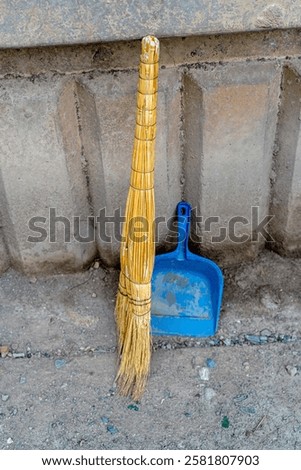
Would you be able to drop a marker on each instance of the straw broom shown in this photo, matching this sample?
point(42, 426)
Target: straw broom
point(137, 252)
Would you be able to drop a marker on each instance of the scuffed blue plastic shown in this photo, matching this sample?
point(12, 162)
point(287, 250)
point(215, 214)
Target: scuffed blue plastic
point(187, 289)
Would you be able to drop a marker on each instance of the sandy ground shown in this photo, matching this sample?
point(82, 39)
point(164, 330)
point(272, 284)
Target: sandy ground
point(238, 390)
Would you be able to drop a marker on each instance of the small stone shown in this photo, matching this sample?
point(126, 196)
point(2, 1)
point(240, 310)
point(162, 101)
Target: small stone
point(263, 339)
point(13, 411)
point(187, 414)
point(209, 393)
point(96, 265)
point(94, 295)
point(18, 355)
point(104, 419)
point(291, 370)
point(266, 332)
point(4, 397)
point(214, 342)
point(249, 410)
point(253, 339)
point(239, 398)
point(4, 350)
point(210, 363)
point(287, 339)
point(22, 379)
point(33, 280)
point(133, 407)
point(246, 365)
point(268, 302)
point(204, 373)
point(9, 441)
point(112, 429)
point(59, 363)
point(227, 342)
point(225, 422)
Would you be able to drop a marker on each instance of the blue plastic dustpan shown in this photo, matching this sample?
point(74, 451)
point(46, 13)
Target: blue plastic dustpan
point(187, 289)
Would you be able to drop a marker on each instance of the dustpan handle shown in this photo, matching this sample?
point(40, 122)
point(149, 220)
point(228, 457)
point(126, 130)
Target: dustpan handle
point(183, 214)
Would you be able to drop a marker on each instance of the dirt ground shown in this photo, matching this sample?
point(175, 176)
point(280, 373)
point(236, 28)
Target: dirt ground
point(237, 390)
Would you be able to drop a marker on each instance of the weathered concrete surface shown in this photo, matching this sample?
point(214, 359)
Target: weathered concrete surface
point(66, 135)
point(31, 23)
point(116, 109)
point(69, 404)
point(286, 201)
point(74, 407)
point(36, 179)
point(230, 122)
point(68, 314)
point(261, 45)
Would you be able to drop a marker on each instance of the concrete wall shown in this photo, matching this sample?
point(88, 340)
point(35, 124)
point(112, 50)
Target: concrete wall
point(28, 23)
point(228, 140)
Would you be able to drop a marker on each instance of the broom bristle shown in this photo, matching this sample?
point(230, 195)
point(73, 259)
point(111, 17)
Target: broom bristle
point(133, 305)
point(121, 315)
point(135, 359)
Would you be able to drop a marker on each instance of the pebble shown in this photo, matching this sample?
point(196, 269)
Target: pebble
point(214, 342)
point(94, 295)
point(18, 355)
point(13, 411)
point(104, 419)
point(209, 393)
point(133, 407)
point(9, 440)
point(254, 339)
point(285, 338)
point(4, 350)
point(249, 410)
point(96, 265)
point(225, 422)
point(59, 363)
point(22, 379)
point(239, 398)
point(5, 397)
point(227, 342)
point(263, 339)
point(268, 302)
point(210, 363)
point(291, 370)
point(204, 373)
point(33, 280)
point(266, 332)
point(112, 429)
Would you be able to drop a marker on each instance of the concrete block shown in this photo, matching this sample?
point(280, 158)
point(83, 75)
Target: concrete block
point(286, 195)
point(230, 120)
point(69, 144)
point(66, 133)
point(115, 99)
point(37, 177)
point(28, 23)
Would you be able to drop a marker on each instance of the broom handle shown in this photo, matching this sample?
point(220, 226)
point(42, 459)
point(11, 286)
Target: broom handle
point(145, 131)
